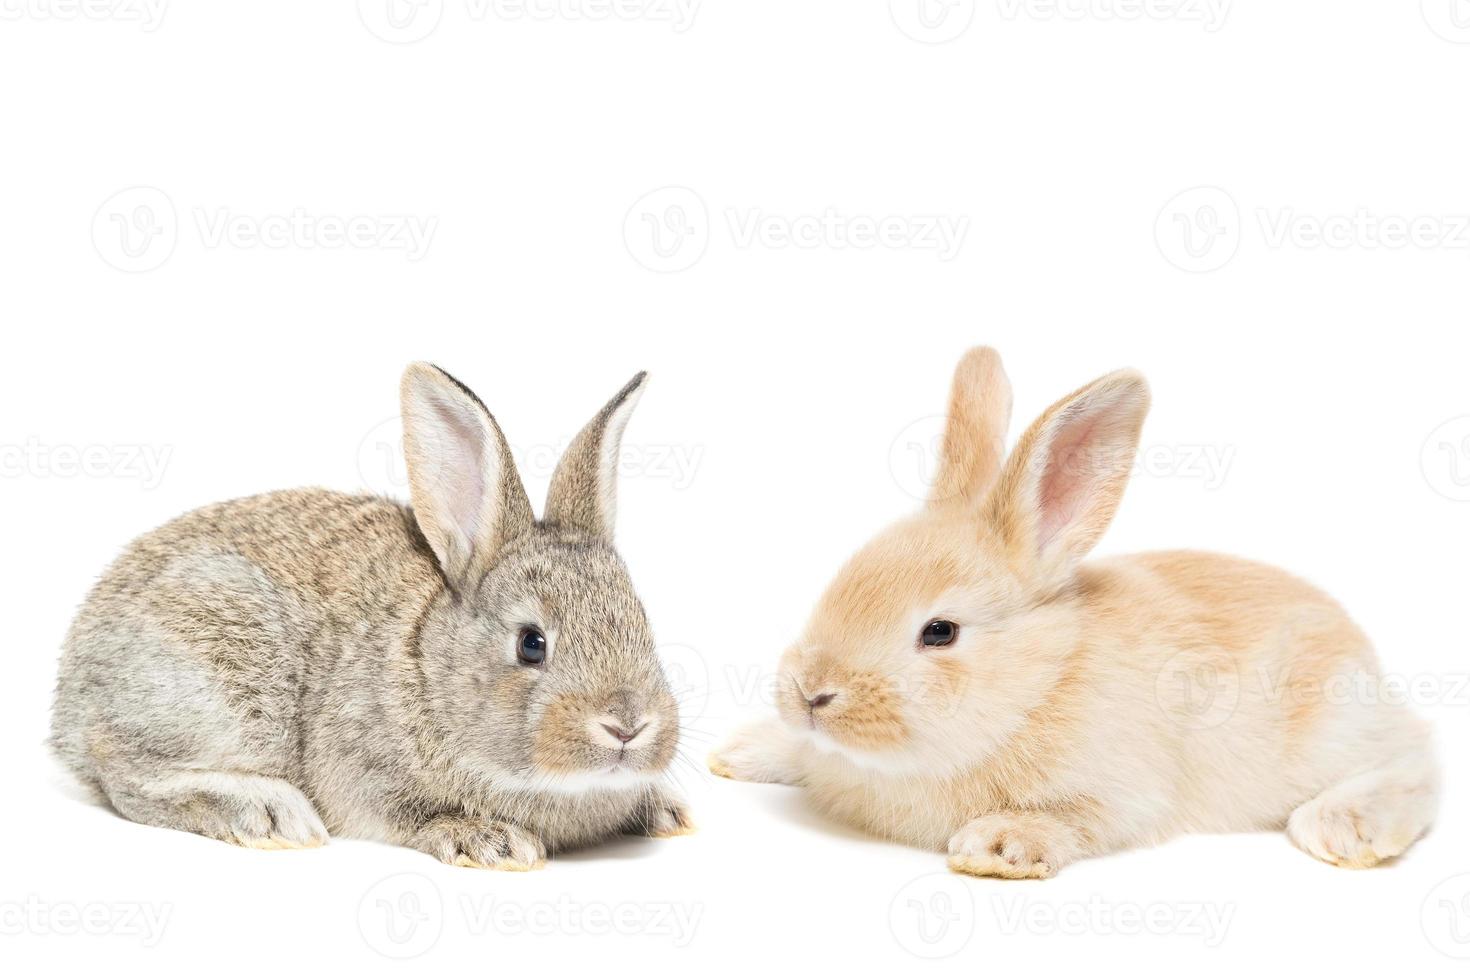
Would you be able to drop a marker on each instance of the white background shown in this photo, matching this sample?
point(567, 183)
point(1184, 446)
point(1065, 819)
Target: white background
point(181, 343)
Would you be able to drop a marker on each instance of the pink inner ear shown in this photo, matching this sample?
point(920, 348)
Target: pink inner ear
point(460, 466)
point(1070, 476)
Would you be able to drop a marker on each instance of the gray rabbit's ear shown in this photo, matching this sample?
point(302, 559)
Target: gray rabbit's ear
point(467, 497)
point(583, 492)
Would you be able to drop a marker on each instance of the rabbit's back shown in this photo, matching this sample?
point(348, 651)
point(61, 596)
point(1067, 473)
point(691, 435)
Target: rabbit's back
point(206, 642)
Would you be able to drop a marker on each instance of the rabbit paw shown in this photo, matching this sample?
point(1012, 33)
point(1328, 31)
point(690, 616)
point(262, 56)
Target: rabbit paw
point(664, 816)
point(1368, 819)
point(1012, 845)
point(471, 843)
point(239, 808)
point(762, 752)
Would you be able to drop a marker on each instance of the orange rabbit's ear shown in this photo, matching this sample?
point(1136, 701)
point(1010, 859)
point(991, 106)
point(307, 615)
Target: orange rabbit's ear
point(975, 432)
point(1062, 485)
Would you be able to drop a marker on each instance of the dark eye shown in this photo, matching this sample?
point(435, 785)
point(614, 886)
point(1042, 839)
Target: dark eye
point(939, 633)
point(531, 647)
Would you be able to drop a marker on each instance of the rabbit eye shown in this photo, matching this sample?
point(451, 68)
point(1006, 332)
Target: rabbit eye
point(939, 633)
point(531, 647)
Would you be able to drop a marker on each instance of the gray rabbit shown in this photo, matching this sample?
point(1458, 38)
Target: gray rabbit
point(456, 677)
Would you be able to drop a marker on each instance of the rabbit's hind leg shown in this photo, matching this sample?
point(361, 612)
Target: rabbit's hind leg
point(242, 808)
point(1370, 817)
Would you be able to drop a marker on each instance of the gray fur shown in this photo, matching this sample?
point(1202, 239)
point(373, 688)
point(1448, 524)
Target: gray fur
point(270, 670)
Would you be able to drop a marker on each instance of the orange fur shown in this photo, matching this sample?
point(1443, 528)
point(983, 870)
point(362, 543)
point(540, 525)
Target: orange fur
point(1082, 708)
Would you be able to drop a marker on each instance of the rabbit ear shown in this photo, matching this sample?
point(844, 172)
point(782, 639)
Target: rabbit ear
point(1062, 485)
point(975, 433)
point(583, 488)
point(467, 497)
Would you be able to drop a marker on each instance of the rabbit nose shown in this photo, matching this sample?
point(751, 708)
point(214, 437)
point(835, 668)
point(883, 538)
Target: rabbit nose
point(622, 734)
point(820, 700)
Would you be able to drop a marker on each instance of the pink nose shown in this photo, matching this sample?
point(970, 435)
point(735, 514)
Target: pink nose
point(622, 734)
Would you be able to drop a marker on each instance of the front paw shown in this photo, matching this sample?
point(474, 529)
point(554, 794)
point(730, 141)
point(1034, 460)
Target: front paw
point(473, 843)
point(1012, 845)
point(762, 752)
point(666, 816)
